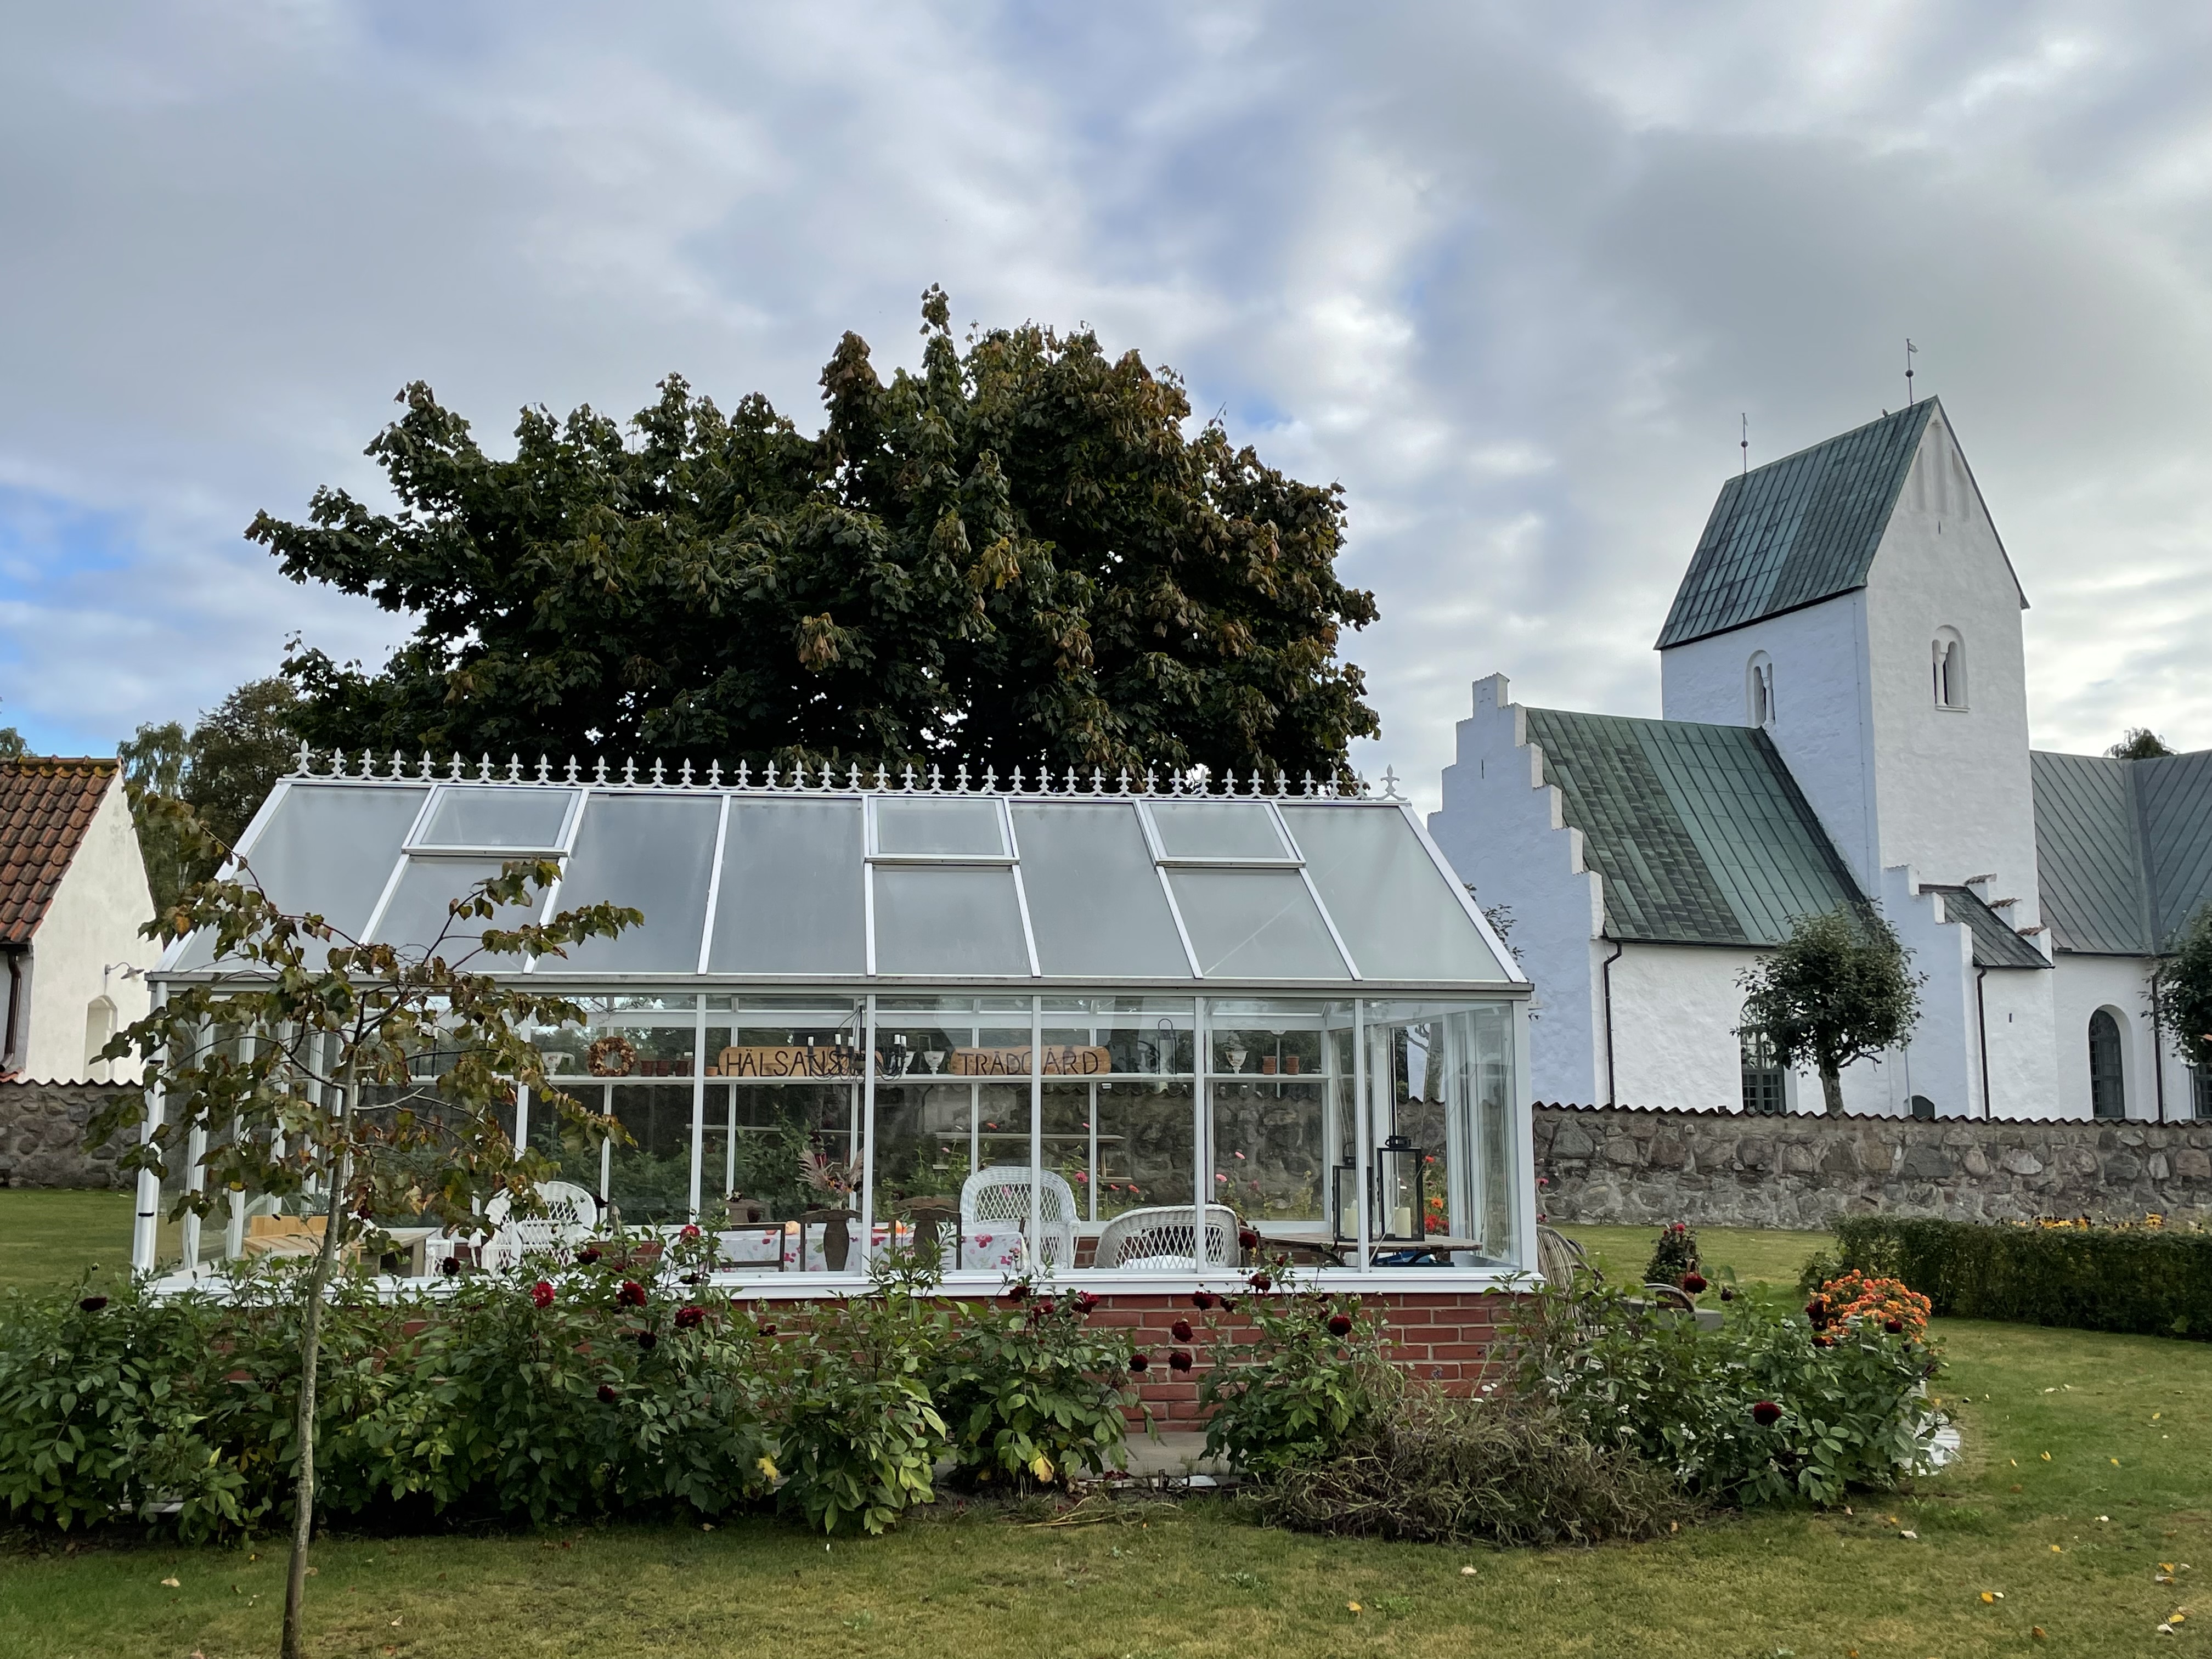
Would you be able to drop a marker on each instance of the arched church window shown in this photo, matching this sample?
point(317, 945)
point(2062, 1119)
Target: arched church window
point(1763, 1089)
point(1923, 1108)
point(98, 1026)
point(1948, 655)
point(2108, 1089)
point(1758, 689)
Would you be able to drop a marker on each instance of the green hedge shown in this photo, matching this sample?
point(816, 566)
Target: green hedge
point(2143, 1281)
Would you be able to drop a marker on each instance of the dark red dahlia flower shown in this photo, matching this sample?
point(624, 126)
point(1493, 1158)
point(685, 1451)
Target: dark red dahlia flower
point(1179, 1360)
point(1766, 1414)
point(587, 1255)
point(1201, 1301)
point(1018, 1292)
point(93, 1304)
point(1181, 1330)
point(688, 1319)
point(767, 1330)
point(1894, 1326)
point(542, 1294)
point(1824, 1340)
point(1248, 1239)
point(1086, 1302)
point(607, 1393)
point(631, 1295)
point(1138, 1362)
point(1694, 1284)
point(1339, 1325)
point(1261, 1282)
point(647, 1341)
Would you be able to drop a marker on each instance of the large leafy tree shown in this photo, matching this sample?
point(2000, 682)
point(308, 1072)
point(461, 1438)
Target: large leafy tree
point(1019, 554)
point(222, 769)
point(1841, 987)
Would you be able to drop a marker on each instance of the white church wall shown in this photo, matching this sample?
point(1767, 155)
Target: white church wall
point(1819, 715)
point(1941, 1060)
point(2085, 984)
point(1675, 1010)
point(2016, 1011)
point(1502, 828)
point(1952, 790)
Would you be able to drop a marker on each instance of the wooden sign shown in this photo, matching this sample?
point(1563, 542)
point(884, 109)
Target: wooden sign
point(1064, 1060)
point(790, 1060)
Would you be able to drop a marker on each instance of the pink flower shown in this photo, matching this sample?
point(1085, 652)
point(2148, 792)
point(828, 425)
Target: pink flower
point(542, 1294)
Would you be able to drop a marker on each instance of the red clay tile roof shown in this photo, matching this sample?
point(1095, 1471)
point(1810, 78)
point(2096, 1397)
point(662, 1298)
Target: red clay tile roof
point(47, 803)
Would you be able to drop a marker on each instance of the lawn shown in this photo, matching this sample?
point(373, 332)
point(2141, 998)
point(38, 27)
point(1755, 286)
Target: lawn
point(2071, 1543)
point(48, 1237)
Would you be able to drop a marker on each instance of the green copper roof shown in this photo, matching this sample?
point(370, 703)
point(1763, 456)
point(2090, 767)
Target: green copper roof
point(1796, 531)
point(1699, 831)
point(2123, 849)
point(1996, 944)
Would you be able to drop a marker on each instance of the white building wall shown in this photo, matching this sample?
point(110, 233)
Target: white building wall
point(2017, 1009)
point(1503, 831)
point(2085, 984)
point(1675, 1010)
point(91, 923)
point(1952, 790)
point(1821, 717)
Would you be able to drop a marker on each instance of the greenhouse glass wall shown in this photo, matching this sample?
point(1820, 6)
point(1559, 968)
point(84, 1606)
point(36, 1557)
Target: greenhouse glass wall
point(1092, 1029)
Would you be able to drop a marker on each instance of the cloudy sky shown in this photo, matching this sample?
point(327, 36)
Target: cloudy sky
point(1511, 273)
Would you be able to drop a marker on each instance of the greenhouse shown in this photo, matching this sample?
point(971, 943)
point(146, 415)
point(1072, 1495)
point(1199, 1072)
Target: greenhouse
point(1094, 1029)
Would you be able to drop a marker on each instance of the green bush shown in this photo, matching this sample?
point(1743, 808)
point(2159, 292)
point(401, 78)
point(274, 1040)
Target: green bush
point(2151, 1281)
point(1035, 1394)
point(1766, 1409)
point(1673, 1255)
point(1295, 1374)
point(1431, 1468)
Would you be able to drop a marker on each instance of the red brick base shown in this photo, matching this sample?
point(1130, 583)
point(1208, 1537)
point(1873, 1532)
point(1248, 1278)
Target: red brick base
point(1443, 1337)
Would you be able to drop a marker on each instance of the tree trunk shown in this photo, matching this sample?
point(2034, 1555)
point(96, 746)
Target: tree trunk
point(303, 1521)
point(1832, 1090)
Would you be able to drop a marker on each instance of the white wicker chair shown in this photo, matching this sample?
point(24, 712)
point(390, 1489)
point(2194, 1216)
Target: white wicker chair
point(999, 1195)
point(572, 1212)
point(1158, 1238)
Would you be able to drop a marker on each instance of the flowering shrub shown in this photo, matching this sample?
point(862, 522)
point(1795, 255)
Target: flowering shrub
point(1768, 1409)
point(1884, 1301)
point(1294, 1374)
point(1035, 1394)
point(1673, 1255)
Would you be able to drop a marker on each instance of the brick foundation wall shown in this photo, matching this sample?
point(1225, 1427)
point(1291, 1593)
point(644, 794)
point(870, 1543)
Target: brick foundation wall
point(1443, 1336)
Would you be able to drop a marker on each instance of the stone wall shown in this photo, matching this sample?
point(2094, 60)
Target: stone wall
point(42, 1136)
point(1725, 1169)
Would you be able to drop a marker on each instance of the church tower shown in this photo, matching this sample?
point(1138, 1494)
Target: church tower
point(1855, 602)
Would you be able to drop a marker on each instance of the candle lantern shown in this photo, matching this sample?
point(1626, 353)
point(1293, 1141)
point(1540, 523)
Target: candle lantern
point(1344, 1199)
point(1400, 1212)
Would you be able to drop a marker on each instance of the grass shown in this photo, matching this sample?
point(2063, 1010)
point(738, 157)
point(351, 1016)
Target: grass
point(1758, 1255)
point(48, 1237)
point(1200, 1582)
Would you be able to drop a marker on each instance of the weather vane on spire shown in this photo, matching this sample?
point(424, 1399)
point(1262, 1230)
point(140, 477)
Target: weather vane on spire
point(1910, 350)
point(1746, 445)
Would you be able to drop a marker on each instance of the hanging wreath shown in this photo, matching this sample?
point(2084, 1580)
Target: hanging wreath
point(612, 1056)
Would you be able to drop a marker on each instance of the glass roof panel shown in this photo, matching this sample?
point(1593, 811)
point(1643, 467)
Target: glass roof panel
point(328, 848)
point(496, 816)
point(1398, 916)
point(1255, 924)
point(416, 914)
point(790, 900)
point(1217, 830)
point(1094, 894)
point(927, 828)
point(653, 853)
point(948, 919)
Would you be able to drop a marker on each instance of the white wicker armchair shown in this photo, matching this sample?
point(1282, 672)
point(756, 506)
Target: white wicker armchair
point(572, 1212)
point(999, 1195)
point(1159, 1239)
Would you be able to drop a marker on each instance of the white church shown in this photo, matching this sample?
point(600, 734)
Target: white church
point(1844, 694)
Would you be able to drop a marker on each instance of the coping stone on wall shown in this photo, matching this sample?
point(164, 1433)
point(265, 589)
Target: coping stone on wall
point(1639, 1165)
point(42, 1136)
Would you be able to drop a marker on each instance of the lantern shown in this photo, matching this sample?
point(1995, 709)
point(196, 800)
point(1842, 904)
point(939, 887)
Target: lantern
point(1344, 1199)
point(1399, 1209)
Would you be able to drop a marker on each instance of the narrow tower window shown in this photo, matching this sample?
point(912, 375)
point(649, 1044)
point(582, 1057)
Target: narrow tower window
point(1758, 689)
point(1949, 663)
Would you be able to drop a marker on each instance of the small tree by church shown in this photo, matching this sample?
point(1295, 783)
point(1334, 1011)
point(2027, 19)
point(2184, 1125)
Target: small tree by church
point(2184, 992)
point(1841, 987)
